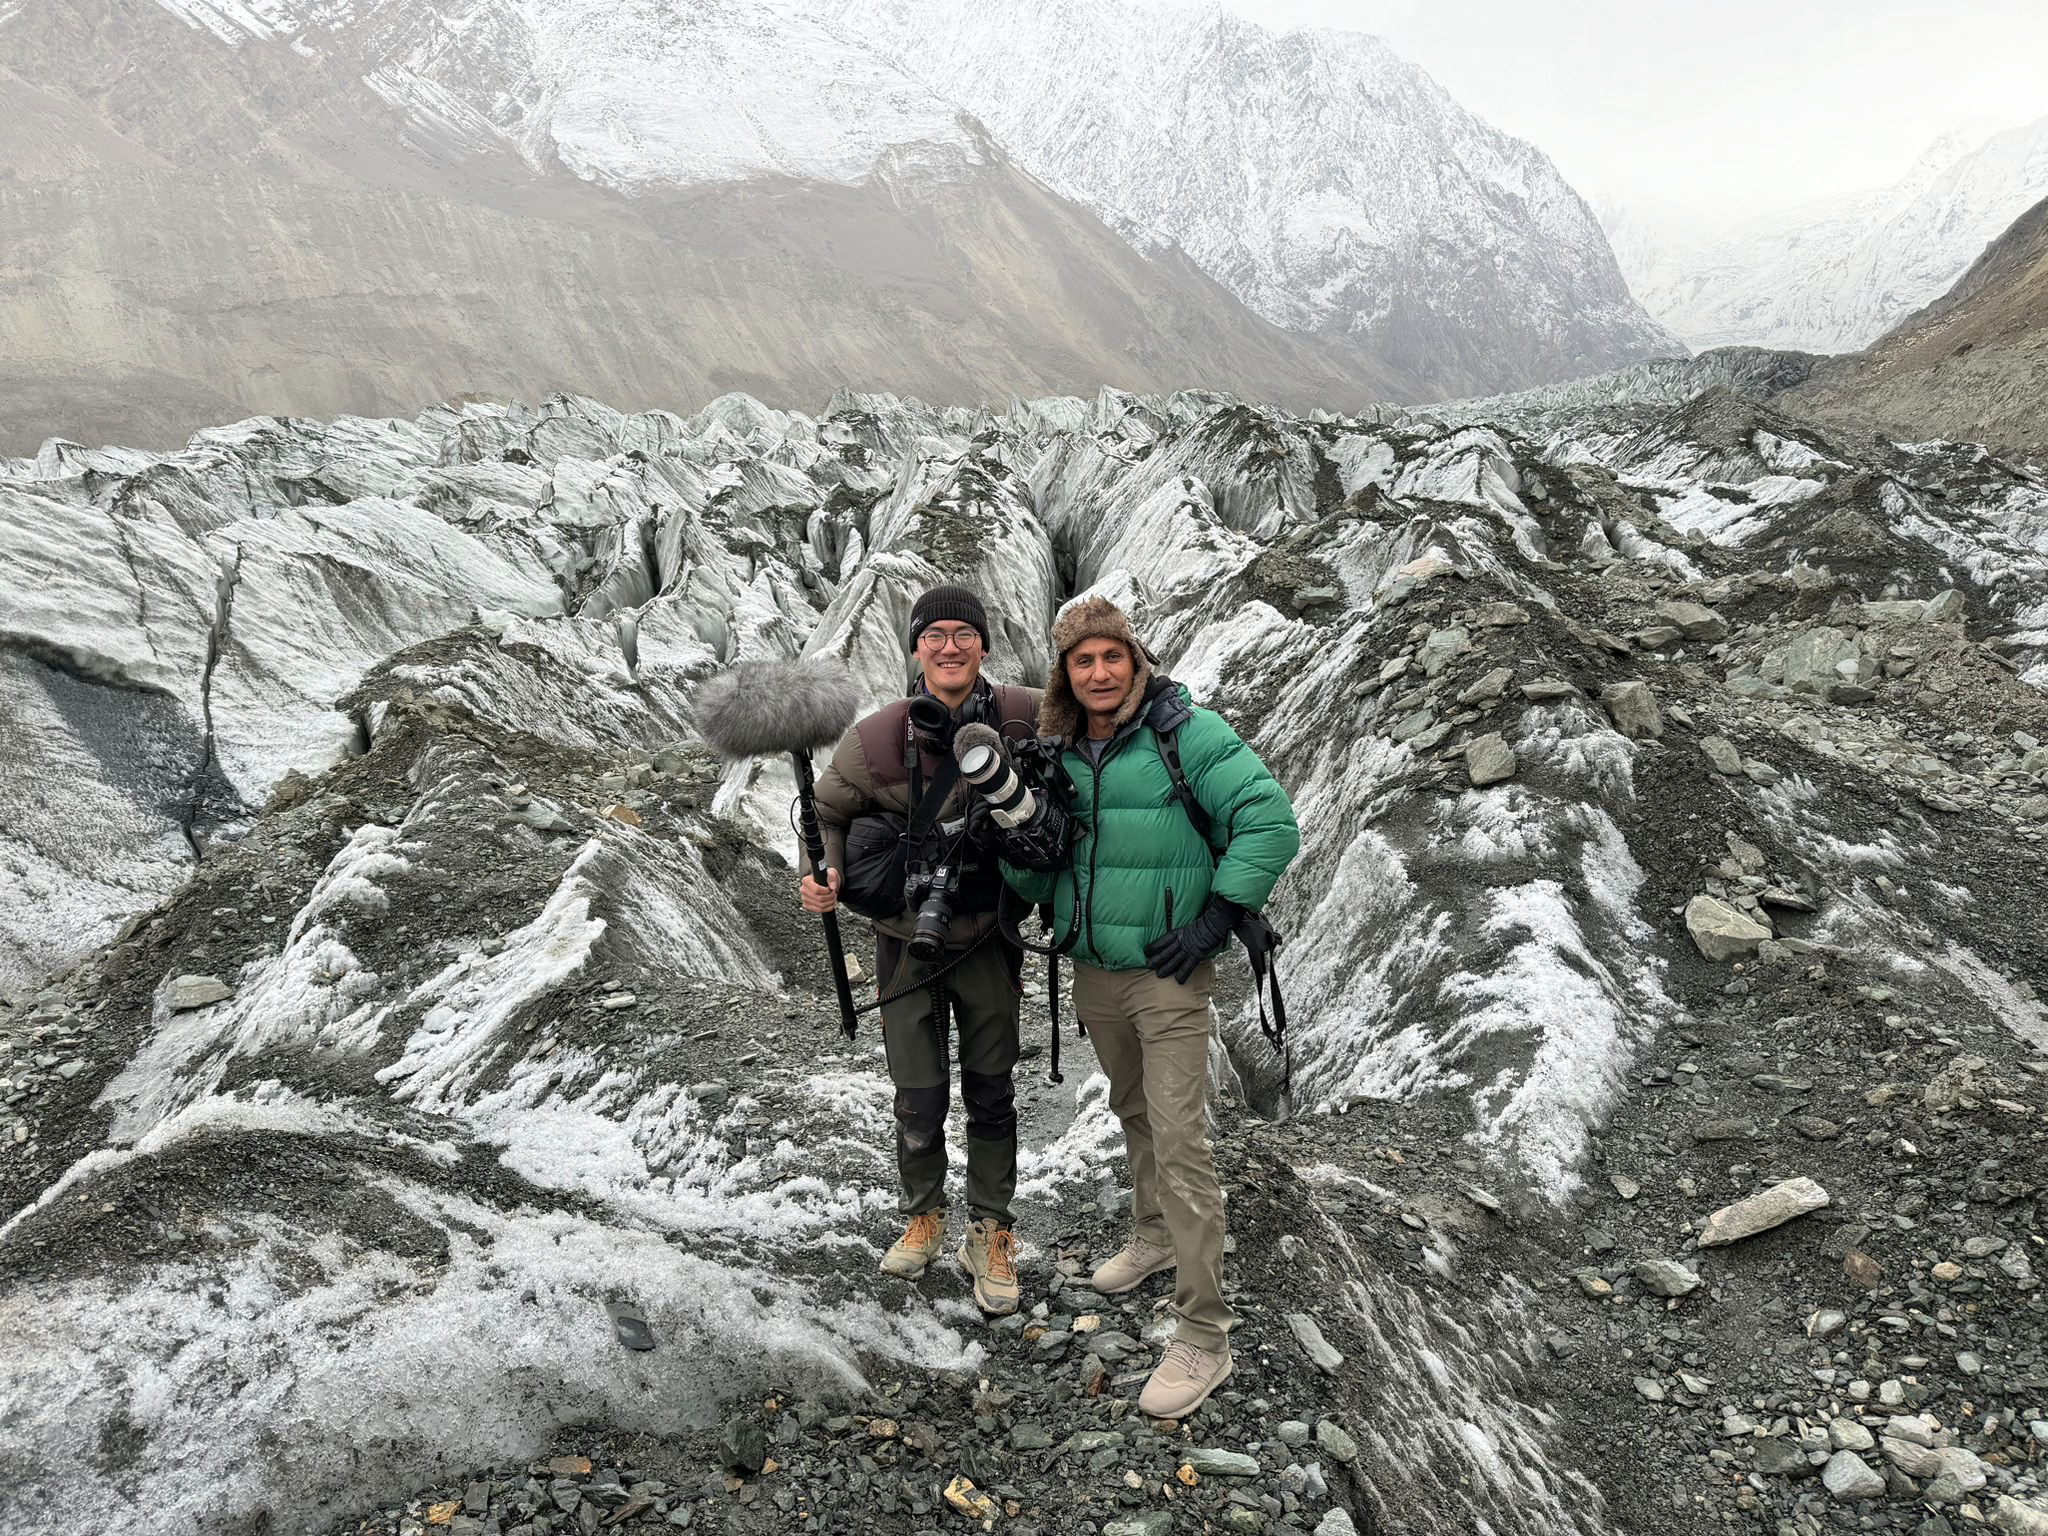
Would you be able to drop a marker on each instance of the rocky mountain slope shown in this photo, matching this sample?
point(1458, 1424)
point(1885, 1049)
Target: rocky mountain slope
point(1673, 797)
point(370, 208)
point(1836, 275)
point(1974, 363)
point(317, 209)
point(1329, 183)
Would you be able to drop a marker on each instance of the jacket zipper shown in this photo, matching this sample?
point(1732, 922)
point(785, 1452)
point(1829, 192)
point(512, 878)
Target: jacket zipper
point(1095, 827)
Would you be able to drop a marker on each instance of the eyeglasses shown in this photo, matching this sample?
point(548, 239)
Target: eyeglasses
point(958, 639)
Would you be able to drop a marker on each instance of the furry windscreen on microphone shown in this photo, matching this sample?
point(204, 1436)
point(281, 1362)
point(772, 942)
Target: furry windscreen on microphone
point(776, 704)
point(974, 734)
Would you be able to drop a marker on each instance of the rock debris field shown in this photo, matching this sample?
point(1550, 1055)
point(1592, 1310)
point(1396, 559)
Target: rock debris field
point(406, 1022)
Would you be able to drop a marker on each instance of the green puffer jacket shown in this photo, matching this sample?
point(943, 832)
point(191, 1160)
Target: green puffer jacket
point(1136, 842)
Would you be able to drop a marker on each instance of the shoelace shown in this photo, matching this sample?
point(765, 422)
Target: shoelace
point(924, 1229)
point(1191, 1360)
point(1002, 1254)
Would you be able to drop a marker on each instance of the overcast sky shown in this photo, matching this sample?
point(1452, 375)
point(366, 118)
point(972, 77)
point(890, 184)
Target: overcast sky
point(1697, 115)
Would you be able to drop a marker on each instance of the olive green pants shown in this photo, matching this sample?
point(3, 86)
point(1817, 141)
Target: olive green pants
point(982, 996)
point(1152, 1038)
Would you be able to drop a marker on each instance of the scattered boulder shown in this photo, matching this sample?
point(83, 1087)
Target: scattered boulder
point(1720, 932)
point(1851, 1479)
point(1320, 1350)
point(1489, 760)
point(743, 1445)
point(188, 992)
point(1762, 1211)
point(1633, 709)
point(1721, 755)
point(1693, 621)
point(1665, 1277)
point(1945, 608)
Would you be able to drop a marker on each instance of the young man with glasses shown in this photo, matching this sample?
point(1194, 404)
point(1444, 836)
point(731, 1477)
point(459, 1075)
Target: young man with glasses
point(885, 765)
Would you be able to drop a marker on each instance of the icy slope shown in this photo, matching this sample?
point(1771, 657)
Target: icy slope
point(1836, 275)
point(1329, 183)
point(501, 1014)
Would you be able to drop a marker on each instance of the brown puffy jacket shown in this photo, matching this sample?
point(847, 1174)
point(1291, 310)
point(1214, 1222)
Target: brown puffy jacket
point(868, 774)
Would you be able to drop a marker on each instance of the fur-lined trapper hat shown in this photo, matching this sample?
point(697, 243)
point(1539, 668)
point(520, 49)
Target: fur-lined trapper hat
point(1093, 618)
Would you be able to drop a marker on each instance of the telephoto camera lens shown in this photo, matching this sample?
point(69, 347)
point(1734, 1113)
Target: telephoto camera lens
point(986, 767)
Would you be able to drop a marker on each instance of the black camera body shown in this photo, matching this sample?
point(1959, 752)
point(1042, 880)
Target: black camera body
point(932, 889)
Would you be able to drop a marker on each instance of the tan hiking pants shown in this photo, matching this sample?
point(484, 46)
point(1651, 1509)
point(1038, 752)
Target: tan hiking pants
point(1152, 1038)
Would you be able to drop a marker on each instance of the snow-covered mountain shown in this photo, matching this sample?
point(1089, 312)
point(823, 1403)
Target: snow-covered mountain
point(1329, 183)
point(311, 207)
point(1834, 275)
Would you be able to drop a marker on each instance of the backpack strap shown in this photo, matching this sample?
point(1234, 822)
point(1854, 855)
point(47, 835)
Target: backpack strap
point(1169, 754)
point(1253, 931)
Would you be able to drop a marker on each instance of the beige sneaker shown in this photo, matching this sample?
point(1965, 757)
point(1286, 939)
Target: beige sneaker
point(917, 1247)
point(990, 1255)
point(1127, 1268)
point(1184, 1380)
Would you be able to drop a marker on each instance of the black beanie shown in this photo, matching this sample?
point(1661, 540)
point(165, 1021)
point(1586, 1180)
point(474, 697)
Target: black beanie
point(942, 603)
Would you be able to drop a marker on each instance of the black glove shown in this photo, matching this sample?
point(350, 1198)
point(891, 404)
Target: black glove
point(981, 830)
point(1174, 955)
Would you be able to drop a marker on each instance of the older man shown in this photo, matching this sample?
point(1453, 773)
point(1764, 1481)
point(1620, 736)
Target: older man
point(1144, 905)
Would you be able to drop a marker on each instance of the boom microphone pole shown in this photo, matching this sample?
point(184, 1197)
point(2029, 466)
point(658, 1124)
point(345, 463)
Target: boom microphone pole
point(756, 708)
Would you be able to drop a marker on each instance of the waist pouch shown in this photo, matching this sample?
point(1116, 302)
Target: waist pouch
point(878, 855)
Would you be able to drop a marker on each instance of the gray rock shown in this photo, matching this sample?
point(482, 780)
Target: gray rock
point(1850, 1479)
point(1320, 1350)
point(1154, 1522)
point(1779, 1457)
point(1442, 647)
point(1848, 1435)
point(1633, 708)
point(1030, 1437)
point(1812, 660)
point(1666, 1277)
point(1913, 1460)
point(1336, 1442)
point(1336, 1522)
point(1720, 932)
point(1693, 621)
point(188, 992)
point(1490, 685)
point(1649, 1387)
point(1762, 1211)
point(1544, 689)
point(1212, 1461)
point(1721, 755)
point(1944, 608)
point(1412, 724)
point(743, 1445)
point(1294, 1433)
point(1489, 760)
point(2018, 1519)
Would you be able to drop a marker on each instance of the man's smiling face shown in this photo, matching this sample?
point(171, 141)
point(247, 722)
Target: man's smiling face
point(950, 654)
point(1100, 673)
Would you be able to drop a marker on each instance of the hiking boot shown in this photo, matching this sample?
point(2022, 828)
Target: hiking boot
point(1126, 1269)
point(1185, 1378)
point(917, 1247)
point(990, 1255)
